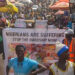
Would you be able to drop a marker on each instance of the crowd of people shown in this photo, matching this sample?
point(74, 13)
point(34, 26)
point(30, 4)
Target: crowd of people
point(65, 51)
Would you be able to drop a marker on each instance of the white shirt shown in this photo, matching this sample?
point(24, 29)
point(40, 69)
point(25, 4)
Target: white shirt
point(57, 71)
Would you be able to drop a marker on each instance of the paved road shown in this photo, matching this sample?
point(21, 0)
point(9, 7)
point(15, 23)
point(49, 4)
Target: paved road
point(1, 65)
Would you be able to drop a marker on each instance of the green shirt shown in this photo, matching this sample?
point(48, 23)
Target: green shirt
point(1, 38)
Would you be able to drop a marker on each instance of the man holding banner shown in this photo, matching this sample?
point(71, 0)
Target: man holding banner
point(23, 66)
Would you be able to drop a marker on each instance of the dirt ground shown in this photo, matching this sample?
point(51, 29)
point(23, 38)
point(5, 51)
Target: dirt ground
point(1, 65)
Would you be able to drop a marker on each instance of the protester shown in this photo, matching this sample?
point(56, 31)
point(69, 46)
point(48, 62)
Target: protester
point(2, 21)
point(51, 22)
point(70, 42)
point(23, 66)
point(65, 21)
point(69, 35)
point(2, 25)
point(69, 25)
point(62, 66)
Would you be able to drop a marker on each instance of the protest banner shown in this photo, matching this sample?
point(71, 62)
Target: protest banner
point(39, 43)
point(41, 24)
point(20, 23)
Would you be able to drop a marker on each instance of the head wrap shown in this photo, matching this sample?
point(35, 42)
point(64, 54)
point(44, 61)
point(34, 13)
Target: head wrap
point(69, 31)
point(60, 48)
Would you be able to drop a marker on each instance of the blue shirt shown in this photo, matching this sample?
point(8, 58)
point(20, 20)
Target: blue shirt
point(24, 67)
point(69, 24)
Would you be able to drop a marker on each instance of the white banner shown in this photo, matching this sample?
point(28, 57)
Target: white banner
point(42, 39)
point(32, 36)
point(42, 24)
